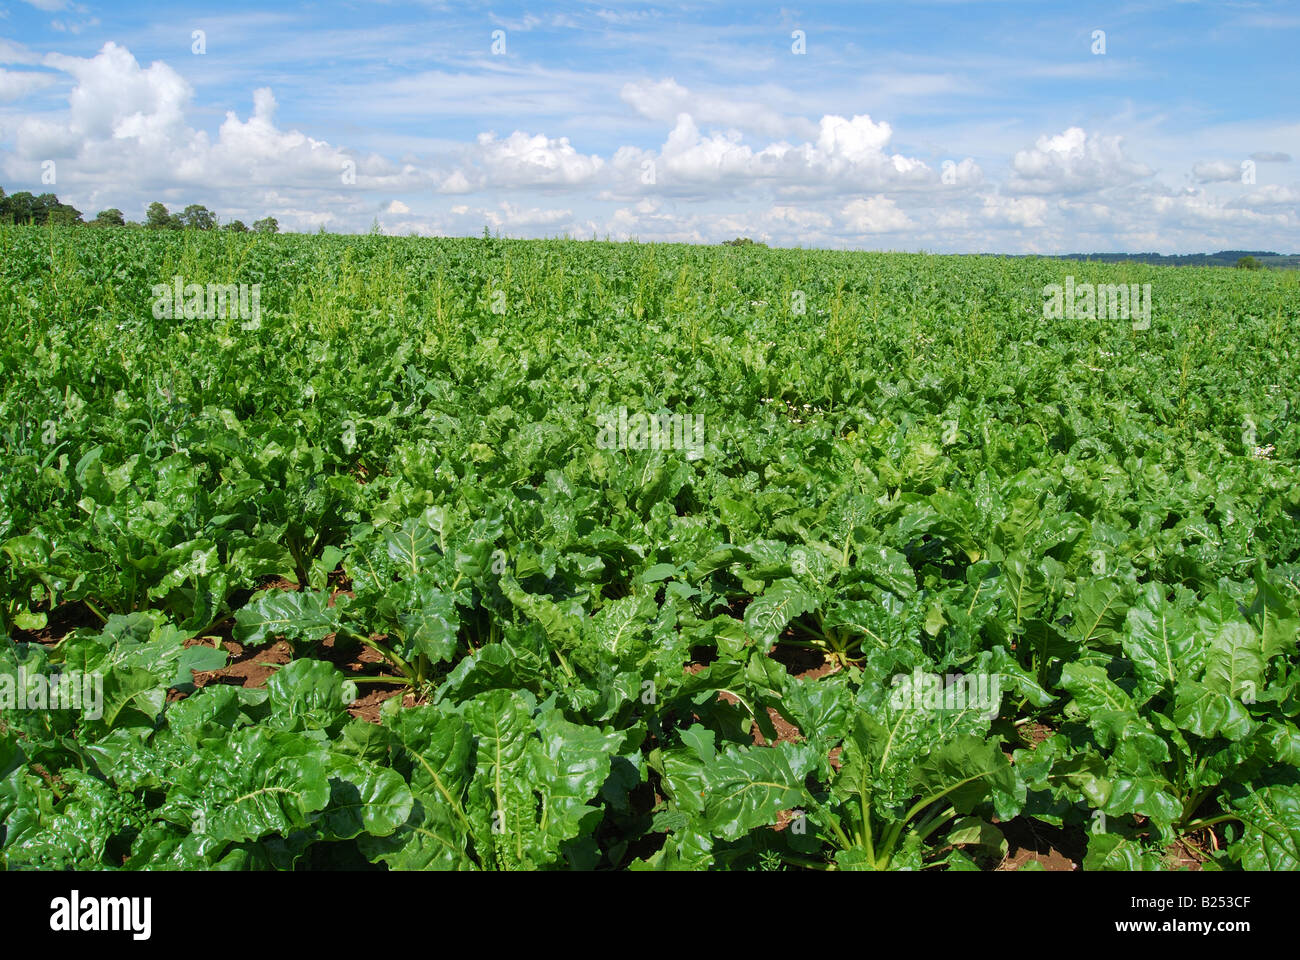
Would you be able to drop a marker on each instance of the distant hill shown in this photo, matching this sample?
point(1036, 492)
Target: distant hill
point(1224, 258)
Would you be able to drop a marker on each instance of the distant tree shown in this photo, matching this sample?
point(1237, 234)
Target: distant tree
point(266, 225)
point(742, 242)
point(63, 214)
point(198, 217)
point(21, 208)
point(157, 218)
point(1248, 263)
point(43, 205)
point(235, 226)
point(112, 217)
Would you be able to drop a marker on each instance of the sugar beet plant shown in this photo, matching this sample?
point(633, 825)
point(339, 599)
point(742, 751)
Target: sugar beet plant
point(360, 582)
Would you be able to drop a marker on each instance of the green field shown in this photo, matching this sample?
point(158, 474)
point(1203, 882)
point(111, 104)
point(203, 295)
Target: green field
point(450, 608)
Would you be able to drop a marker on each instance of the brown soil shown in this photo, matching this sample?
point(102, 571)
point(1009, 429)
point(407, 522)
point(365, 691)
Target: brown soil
point(799, 662)
point(249, 666)
point(1056, 849)
point(253, 666)
point(363, 661)
point(1190, 853)
point(277, 583)
point(1034, 733)
point(368, 705)
point(783, 820)
point(785, 732)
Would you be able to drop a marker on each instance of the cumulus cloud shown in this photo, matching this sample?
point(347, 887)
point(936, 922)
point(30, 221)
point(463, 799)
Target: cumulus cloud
point(690, 156)
point(1267, 196)
point(114, 99)
point(125, 127)
point(1014, 211)
point(1215, 171)
point(961, 174)
point(520, 160)
point(1074, 162)
point(847, 154)
point(725, 168)
point(877, 214)
point(665, 100)
point(15, 84)
point(463, 219)
point(798, 218)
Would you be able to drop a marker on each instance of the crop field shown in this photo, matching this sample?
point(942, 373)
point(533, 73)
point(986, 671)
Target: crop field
point(485, 554)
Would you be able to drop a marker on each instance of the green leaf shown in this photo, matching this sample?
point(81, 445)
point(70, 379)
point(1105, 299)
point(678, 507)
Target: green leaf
point(1234, 662)
point(1271, 840)
point(768, 615)
point(364, 798)
point(1114, 851)
point(307, 695)
point(746, 788)
point(297, 616)
point(257, 783)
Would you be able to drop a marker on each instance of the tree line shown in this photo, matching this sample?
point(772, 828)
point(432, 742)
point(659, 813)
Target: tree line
point(26, 208)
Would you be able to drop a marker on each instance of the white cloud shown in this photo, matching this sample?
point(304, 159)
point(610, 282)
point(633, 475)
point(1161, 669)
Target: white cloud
point(521, 160)
point(664, 101)
point(797, 218)
point(16, 84)
point(1269, 195)
point(125, 127)
point(11, 52)
point(690, 156)
point(462, 219)
point(1072, 162)
point(847, 154)
point(509, 215)
point(1215, 171)
point(1014, 211)
point(952, 220)
point(963, 174)
point(877, 214)
point(1195, 209)
point(114, 99)
point(732, 163)
point(73, 26)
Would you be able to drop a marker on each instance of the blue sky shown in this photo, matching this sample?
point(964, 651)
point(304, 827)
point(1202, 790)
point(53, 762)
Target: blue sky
point(943, 126)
